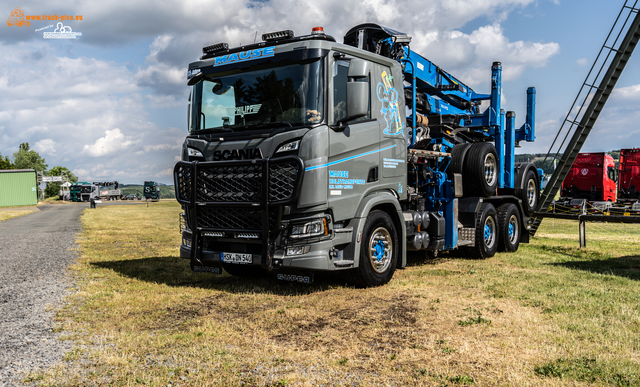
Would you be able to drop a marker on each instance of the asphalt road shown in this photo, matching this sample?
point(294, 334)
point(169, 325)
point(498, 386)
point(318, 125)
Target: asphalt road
point(35, 252)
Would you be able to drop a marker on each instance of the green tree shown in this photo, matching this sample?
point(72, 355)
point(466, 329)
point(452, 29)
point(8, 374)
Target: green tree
point(5, 163)
point(53, 188)
point(26, 158)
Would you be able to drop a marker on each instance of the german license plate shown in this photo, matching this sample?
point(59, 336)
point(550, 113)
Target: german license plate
point(236, 258)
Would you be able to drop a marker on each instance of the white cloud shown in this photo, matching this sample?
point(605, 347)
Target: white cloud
point(112, 142)
point(582, 62)
point(46, 147)
point(67, 103)
point(470, 55)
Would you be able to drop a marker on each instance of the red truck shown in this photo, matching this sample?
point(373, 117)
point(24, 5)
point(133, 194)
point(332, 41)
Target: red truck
point(629, 173)
point(592, 177)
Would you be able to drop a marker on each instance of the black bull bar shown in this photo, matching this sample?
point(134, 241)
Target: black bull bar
point(237, 196)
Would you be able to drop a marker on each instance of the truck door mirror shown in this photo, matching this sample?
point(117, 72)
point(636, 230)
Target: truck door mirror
point(357, 99)
point(358, 68)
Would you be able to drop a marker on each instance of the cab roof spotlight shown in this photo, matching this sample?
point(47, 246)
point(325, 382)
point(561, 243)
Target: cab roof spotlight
point(273, 36)
point(215, 48)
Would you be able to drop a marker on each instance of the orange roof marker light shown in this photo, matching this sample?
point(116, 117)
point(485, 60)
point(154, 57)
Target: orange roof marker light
point(317, 31)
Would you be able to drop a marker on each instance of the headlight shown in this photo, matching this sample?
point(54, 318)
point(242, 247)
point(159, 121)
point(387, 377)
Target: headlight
point(184, 227)
point(313, 228)
point(192, 152)
point(291, 146)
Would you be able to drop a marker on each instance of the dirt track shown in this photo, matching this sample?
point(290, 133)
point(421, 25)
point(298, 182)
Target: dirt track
point(35, 252)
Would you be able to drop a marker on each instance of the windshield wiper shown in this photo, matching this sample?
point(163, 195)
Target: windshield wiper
point(264, 125)
point(213, 130)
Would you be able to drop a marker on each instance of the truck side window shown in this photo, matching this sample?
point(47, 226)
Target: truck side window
point(340, 79)
point(611, 171)
point(341, 69)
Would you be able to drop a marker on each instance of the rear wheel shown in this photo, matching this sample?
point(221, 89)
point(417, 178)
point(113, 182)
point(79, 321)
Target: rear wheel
point(530, 191)
point(486, 239)
point(509, 227)
point(378, 252)
point(481, 169)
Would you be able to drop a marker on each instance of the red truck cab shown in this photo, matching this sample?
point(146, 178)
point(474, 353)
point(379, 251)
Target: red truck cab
point(629, 172)
point(592, 177)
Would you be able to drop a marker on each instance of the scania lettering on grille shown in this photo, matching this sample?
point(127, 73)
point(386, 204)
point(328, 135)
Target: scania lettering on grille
point(237, 154)
point(245, 56)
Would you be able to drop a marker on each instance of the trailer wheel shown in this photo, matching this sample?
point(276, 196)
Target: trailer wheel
point(509, 227)
point(486, 239)
point(481, 169)
point(530, 192)
point(458, 154)
point(379, 251)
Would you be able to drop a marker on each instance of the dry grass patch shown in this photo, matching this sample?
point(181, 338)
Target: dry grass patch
point(550, 314)
point(14, 213)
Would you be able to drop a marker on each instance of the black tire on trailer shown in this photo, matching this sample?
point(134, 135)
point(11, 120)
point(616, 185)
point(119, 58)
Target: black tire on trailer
point(239, 270)
point(481, 170)
point(509, 227)
point(530, 191)
point(487, 233)
point(458, 154)
point(379, 251)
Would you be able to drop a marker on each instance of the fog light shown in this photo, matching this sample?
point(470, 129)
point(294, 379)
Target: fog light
point(186, 242)
point(218, 234)
point(249, 235)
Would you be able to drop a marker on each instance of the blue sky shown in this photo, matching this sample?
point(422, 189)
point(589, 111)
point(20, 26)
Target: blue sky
point(111, 104)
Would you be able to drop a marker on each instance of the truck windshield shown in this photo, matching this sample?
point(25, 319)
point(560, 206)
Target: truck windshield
point(259, 99)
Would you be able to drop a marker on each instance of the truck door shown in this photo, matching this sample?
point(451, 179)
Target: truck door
point(390, 107)
point(353, 146)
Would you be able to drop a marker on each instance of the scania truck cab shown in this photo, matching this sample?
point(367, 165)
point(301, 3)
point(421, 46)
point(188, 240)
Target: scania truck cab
point(305, 154)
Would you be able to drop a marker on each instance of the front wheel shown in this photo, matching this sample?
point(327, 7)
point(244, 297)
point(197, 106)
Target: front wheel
point(378, 252)
point(486, 239)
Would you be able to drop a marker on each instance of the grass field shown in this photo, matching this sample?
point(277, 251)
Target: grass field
point(549, 315)
point(14, 212)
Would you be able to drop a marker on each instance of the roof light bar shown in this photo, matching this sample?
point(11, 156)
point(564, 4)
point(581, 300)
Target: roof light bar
point(271, 36)
point(215, 48)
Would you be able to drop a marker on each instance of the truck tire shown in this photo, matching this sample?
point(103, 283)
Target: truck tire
point(530, 192)
point(509, 227)
point(378, 252)
point(481, 170)
point(458, 154)
point(528, 189)
point(237, 270)
point(487, 233)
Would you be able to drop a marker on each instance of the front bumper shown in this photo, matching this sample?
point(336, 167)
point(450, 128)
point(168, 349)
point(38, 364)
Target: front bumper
point(232, 199)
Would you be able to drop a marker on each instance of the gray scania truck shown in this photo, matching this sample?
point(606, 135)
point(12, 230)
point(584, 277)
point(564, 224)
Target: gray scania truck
point(305, 155)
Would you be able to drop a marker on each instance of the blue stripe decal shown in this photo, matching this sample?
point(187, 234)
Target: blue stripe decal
point(348, 158)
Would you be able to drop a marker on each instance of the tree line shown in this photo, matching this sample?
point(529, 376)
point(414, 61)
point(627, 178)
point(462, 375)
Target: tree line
point(27, 158)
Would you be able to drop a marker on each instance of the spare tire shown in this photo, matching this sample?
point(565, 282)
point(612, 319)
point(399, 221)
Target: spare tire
point(481, 170)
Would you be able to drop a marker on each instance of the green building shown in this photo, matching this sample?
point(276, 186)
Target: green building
point(18, 187)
